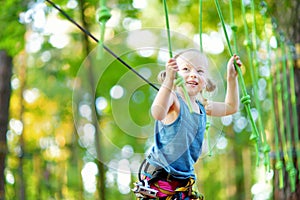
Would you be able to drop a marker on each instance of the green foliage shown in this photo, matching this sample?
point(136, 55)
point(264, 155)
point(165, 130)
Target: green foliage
point(12, 32)
point(54, 149)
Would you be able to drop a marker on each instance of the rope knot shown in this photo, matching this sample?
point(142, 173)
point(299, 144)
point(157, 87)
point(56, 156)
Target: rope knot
point(234, 27)
point(292, 172)
point(289, 166)
point(103, 15)
point(246, 100)
point(253, 136)
point(266, 148)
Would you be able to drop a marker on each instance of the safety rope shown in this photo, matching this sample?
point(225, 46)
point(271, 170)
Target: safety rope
point(97, 41)
point(103, 15)
point(245, 98)
point(279, 163)
point(290, 165)
point(179, 80)
point(254, 66)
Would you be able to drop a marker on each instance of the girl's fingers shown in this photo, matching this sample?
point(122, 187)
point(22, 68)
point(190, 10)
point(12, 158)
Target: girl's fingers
point(238, 62)
point(237, 59)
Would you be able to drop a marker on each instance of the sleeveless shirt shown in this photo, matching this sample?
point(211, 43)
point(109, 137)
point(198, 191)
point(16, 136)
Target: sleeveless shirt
point(177, 146)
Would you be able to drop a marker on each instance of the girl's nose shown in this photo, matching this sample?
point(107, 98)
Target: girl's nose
point(193, 74)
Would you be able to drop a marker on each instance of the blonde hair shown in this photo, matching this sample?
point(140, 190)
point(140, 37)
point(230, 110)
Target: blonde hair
point(209, 87)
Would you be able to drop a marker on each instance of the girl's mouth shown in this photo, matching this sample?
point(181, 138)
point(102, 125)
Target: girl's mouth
point(192, 83)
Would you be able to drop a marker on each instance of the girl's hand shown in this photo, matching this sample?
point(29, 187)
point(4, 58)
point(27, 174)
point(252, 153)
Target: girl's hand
point(171, 69)
point(231, 72)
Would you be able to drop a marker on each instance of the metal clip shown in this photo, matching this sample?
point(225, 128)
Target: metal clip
point(142, 190)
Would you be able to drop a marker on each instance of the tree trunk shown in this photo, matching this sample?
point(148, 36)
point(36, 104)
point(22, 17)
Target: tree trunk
point(5, 91)
point(100, 193)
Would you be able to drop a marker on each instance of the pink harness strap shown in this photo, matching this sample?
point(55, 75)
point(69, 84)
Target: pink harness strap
point(168, 186)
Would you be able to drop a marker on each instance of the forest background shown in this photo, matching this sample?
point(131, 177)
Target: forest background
point(68, 132)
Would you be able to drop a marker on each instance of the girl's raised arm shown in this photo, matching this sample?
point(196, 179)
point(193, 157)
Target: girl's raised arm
point(231, 102)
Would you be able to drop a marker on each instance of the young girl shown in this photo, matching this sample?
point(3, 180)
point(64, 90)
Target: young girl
point(168, 171)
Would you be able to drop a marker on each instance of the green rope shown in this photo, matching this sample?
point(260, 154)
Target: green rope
point(248, 45)
point(280, 113)
point(200, 25)
point(208, 138)
point(246, 98)
point(201, 50)
point(254, 64)
point(179, 80)
point(287, 157)
point(233, 26)
point(279, 163)
point(103, 15)
point(293, 103)
point(290, 165)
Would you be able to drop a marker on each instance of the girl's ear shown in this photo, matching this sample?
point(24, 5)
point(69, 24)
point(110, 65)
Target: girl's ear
point(210, 86)
point(161, 76)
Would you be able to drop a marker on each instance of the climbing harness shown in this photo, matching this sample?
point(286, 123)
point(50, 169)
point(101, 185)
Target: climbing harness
point(142, 190)
point(156, 183)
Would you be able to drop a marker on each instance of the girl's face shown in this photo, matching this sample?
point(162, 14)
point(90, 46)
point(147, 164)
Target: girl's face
point(193, 70)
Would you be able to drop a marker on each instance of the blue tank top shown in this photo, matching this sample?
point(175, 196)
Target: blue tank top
point(177, 146)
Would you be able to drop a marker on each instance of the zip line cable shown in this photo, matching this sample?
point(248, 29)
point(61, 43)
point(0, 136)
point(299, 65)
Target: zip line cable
point(104, 46)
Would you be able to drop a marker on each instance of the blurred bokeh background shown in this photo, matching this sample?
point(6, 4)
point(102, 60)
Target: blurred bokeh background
point(75, 121)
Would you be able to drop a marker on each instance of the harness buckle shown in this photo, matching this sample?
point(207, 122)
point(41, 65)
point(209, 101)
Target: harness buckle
point(168, 177)
point(142, 190)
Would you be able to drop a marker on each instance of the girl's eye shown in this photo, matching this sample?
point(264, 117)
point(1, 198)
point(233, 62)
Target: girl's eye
point(185, 69)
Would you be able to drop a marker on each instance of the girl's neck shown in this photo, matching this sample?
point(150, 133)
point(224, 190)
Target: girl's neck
point(192, 98)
